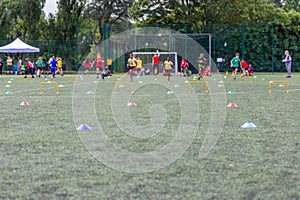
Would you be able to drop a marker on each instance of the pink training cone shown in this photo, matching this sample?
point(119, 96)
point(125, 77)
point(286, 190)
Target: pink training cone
point(232, 105)
point(24, 103)
point(131, 104)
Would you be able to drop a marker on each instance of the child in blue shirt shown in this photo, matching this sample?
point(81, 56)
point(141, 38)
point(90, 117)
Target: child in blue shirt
point(53, 64)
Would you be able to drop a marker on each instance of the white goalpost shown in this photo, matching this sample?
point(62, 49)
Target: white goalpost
point(146, 57)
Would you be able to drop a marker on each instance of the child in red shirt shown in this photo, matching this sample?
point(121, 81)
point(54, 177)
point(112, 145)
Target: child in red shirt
point(99, 64)
point(207, 71)
point(184, 66)
point(244, 67)
point(87, 64)
point(155, 63)
point(30, 68)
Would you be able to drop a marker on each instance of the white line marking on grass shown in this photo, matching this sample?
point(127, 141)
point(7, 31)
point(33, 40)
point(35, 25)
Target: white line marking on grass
point(293, 90)
point(34, 97)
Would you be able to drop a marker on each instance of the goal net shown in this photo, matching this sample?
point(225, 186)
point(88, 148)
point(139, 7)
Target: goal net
point(188, 46)
point(146, 57)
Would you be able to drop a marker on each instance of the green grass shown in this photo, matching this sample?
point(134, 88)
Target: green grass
point(43, 156)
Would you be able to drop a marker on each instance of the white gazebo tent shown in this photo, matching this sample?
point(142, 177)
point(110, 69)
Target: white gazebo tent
point(18, 46)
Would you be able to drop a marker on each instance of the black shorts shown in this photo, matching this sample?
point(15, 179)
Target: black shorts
point(32, 70)
point(131, 67)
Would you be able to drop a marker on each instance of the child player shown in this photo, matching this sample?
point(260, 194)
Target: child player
point(49, 62)
point(139, 66)
point(184, 66)
point(244, 67)
point(39, 64)
point(236, 64)
point(44, 65)
point(131, 65)
point(155, 63)
point(207, 71)
point(106, 72)
point(99, 64)
point(250, 70)
point(201, 64)
point(30, 68)
point(87, 65)
point(59, 66)
point(53, 65)
point(168, 67)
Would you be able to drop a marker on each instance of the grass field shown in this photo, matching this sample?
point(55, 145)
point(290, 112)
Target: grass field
point(44, 157)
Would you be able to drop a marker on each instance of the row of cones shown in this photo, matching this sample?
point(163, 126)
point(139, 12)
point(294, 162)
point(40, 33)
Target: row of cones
point(85, 127)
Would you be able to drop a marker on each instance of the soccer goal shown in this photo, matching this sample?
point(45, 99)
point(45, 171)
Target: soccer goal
point(146, 57)
point(167, 41)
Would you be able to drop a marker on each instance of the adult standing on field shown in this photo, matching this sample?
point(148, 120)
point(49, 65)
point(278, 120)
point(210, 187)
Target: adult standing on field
point(9, 63)
point(288, 63)
point(236, 64)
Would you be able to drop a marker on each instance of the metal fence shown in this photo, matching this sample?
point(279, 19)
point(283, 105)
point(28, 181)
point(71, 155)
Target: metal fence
point(262, 45)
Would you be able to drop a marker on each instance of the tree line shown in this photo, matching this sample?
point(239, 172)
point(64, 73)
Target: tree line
point(84, 21)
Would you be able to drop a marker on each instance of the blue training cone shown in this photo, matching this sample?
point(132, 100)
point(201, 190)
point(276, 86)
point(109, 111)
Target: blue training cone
point(83, 127)
point(248, 125)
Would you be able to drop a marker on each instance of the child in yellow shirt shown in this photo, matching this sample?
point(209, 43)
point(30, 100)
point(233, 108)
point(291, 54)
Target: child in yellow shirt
point(139, 66)
point(59, 66)
point(168, 67)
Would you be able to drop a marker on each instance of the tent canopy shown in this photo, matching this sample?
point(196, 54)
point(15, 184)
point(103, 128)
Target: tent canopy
point(18, 46)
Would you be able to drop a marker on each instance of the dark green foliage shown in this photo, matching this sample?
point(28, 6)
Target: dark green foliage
point(264, 45)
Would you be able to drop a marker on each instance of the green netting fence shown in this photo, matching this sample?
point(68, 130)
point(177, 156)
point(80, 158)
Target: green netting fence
point(262, 45)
